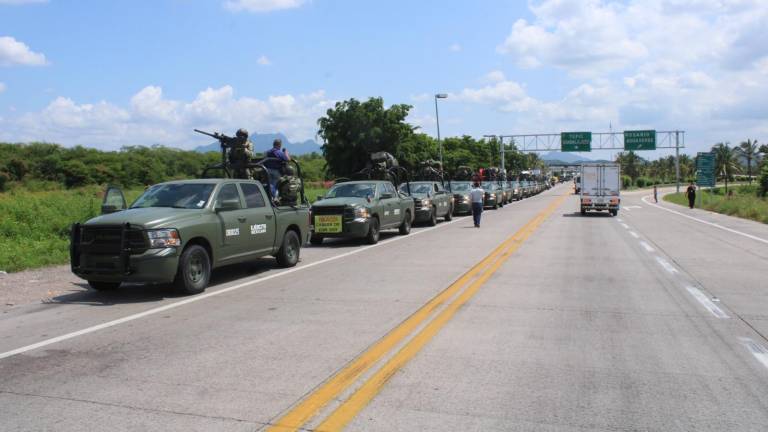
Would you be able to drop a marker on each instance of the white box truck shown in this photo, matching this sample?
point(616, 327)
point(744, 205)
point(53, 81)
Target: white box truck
point(600, 186)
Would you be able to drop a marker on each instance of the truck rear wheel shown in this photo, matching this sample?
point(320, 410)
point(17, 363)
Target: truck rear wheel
point(405, 226)
point(373, 231)
point(583, 212)
point(449, 215)
point(614, 212)
point(104, 286)
point(194, 270)
point(288, 255)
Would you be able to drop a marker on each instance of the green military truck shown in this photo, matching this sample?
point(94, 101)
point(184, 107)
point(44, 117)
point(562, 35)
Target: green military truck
point(179, 231)
point(431, 201)
point(361, 209)
point(461, 201)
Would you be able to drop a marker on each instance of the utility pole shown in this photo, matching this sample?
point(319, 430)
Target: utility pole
point(437, 119)
point(677, 160)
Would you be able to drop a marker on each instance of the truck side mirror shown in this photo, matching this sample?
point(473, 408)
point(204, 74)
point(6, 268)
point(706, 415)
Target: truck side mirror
point(114, 201)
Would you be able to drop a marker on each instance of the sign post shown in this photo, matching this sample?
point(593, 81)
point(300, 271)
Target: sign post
point(576, 141)
point(640, 140)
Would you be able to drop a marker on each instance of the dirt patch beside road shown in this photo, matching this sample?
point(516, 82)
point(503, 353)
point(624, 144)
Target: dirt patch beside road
point(38, 285)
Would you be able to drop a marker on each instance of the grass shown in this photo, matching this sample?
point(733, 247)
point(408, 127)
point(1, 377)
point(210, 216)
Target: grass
point(34, 226)
point(744, 202)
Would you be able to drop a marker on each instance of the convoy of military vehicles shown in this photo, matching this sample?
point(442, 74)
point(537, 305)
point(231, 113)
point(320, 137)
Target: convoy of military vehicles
point(179, 231)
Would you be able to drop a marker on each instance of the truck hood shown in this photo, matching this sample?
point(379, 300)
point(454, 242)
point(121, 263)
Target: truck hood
point(335, 202)
point(151, 217)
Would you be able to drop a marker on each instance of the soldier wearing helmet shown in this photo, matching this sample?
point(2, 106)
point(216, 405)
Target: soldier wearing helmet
point(240, 154)
point(289, 187)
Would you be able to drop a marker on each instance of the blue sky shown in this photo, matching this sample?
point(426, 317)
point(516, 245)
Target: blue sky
point(107, 74)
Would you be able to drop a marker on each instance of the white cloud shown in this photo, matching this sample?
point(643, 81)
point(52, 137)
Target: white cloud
point(150, 119)
point(258, 6)
point(13, 52)
point(494, 76)
point(2, 87)
point(455, 47)
point(264, 61)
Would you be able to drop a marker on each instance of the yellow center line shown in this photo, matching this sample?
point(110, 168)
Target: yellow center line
point(347, 411)
point(325, 393)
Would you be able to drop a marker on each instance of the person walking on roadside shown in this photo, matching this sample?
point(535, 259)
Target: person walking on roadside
point(477, 197)
point(655, 195)
point(691, 194)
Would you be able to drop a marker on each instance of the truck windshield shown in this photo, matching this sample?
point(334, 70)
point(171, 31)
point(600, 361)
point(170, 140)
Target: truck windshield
point(460, 186)
point(489, 185)
point(417, 188)
point(354, 190)
point(176, 195)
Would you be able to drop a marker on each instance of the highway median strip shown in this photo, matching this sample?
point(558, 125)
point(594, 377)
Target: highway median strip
point(308, 408)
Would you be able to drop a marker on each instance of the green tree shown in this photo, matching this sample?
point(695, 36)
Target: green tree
point(353, 129)
point(750, 151)
point(726, 161)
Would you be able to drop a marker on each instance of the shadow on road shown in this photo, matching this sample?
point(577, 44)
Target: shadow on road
point(83, 294)
point(588, 214)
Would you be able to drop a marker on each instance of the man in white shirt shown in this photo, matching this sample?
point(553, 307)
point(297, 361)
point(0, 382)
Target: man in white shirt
point(477, 197)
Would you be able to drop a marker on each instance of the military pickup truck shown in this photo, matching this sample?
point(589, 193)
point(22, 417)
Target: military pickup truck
point(179, 231)
point(461, 201)
point(431, 201)
point(493, 194)
point(361, 209)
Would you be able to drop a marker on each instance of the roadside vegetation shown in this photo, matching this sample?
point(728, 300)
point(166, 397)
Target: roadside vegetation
point(34, 227)
point(744, 202)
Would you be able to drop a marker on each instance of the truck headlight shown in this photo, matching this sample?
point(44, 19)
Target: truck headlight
point(163, 238)
point(493, 195)
point(425, 203)
point(361, 212)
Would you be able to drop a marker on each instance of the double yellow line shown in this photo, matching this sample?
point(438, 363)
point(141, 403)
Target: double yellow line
point(344, 413)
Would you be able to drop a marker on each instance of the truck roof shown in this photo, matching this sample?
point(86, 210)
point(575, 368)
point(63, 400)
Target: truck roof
point(363, 181)
point(208, 180)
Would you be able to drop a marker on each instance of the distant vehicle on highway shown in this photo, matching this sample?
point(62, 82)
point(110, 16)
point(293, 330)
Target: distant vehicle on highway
point(461, 202)
point(179, 231)
point(600, 186)
point(361, 209)
point(431, 201)
point(493, 194)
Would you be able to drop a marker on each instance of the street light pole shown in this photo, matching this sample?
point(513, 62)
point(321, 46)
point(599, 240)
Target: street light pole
point(437, 119)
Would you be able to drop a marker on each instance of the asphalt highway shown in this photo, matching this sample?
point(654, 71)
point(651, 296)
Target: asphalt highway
point(541, 320)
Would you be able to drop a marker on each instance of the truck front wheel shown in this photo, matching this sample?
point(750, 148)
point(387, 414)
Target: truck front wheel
point(104, 286)
point(373, 231)
point(288, 255)
point(583, 211)
point(194, 270)
point(449, 215)
point(614, 212)
point(405, 226)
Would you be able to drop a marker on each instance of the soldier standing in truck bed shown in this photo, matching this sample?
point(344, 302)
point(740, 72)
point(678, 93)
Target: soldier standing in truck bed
point(240, 154)
point(277, 158)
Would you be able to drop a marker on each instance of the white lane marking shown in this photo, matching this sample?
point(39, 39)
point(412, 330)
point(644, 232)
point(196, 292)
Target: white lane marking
point(634, 234)
point(619, 220)
point(757, 350)
point(646, 246)
point(706, 222)
point(200, 297)
point(625, 226)
point(706, 302)
point(667, 266)
point(626, 208)
point(632, 207)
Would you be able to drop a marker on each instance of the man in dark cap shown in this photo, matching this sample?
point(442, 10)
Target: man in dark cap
point(277, 157)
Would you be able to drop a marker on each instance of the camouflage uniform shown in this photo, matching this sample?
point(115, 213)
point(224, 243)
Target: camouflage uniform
point(289, 187)
point(241, 152)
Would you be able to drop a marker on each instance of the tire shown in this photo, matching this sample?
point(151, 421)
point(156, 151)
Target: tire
point(194, 270)
point(583, 212)
point(432, 217)
point(288, 255)
point(495, 206)
point(448, 216)
point(316, 239)
point(104, 286)
point(373, 231)
point(614, 212)
point(405, 227)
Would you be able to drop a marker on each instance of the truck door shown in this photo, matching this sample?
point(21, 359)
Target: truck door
point(442, 201)
point(390, 204)
point(233, 217)
point(261, 224)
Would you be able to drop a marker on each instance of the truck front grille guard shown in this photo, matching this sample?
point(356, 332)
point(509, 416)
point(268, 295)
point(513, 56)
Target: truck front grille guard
point(75, 248)
point(125, 249)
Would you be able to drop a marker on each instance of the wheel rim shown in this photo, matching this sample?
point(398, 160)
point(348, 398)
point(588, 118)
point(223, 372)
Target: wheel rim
point(196, 270)
point(292, 251)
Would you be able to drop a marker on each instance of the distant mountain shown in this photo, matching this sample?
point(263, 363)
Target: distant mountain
point(263, 142)
point(561, 158)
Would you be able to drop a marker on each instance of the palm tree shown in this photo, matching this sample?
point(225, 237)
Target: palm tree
point(726, 161)
point(750, 151)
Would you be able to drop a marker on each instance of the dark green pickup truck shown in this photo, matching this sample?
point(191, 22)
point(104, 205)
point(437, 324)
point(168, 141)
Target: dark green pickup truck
point(361, 209)
point(179, 231)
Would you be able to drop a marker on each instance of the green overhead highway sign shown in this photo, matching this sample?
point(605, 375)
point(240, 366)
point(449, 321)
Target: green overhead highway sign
point(640, 140)
point(576, 141)
point(705, 169)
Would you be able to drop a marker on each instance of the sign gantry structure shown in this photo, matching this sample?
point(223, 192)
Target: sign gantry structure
point(630, 140)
